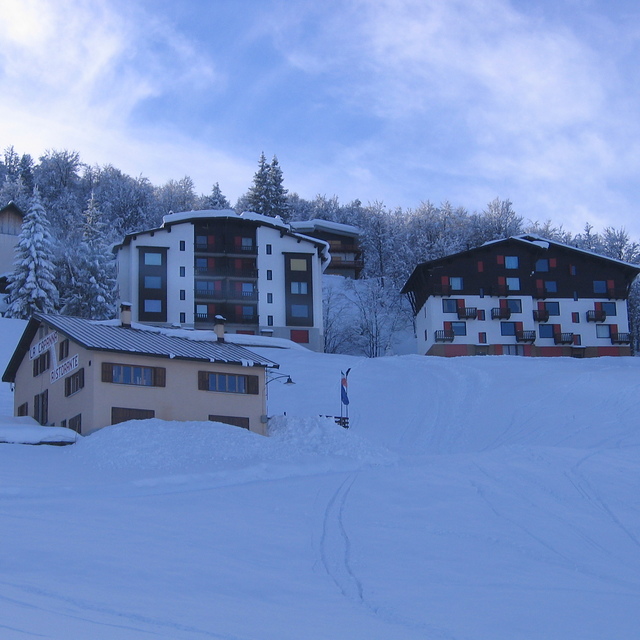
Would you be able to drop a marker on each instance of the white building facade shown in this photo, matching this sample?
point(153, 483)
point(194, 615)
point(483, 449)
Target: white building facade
point(253, 270)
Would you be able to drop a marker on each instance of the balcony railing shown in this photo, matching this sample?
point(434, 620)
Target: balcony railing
point(500, 313)
point(470, 313)
point(596, 315)
point(620, 338)
point(541, 315)
point(525, 336)
point(231, 318)
point(444, 336)
point(225, 248)
point(225, 294)
point(563, 338)
point(227, 272)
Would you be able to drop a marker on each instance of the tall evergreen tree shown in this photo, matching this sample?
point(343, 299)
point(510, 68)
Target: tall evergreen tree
point(31, 285)
point(278, 203)
point(267, 195)
point(217, 199)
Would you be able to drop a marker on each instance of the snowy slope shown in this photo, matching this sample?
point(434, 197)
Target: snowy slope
point(472, 498)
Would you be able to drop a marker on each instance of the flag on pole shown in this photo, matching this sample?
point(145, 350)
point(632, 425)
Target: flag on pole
point(343, 387)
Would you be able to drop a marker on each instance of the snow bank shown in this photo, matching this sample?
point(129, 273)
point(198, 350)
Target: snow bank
point(25, 430)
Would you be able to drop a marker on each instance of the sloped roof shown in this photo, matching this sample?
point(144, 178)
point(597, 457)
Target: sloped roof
point(97, 336)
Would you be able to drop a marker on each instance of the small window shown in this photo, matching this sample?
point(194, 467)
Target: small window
point(610, 308)
point(599, 286)
point(514, 305)
point(546, 330)
point(153, 259)
point(511, 262)
point(153, 306)
point(575, 317)
point(133, 374)
point(41, 363)
point(298, 264)
point(75, 423)
point(300, 310)
point(269, 298)
point(152, 282)
point(247, 243)
point(459, 328)
point(551, 286)
point(508, 328)
point(572, 270)
point(553, 308)
point(73, 383)
point(183, 245)
point(542, 265)
point(183, 294)
point(449, 305)
point(227, 383)
point(513, 284)
point(482, 337)
point(481, 315)
point(603, 330)
point(270, 321)
point(183, 318)
point(299, 288)
point(269, 274)
point(455, 284)
point(183, 272)
point(269, 249)
point(63, 350)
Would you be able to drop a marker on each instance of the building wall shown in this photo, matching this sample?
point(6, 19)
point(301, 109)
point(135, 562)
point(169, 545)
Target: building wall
point(180, 398)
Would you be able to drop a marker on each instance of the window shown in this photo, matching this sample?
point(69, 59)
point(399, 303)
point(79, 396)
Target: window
point(298, 264)
point(572, 270)
point(508, 328)
point(299, 288)
point(459, 328)
point(133, 374)
point(269, 298)
point(183, 317)
point(513, 350)
point(201, 242)
point(513, 284)
point(153, 306)
point(300, 310)
point(301, 336)
point(575, 317)
point(514, 305)
point(201, 309)
point(270, 321)
point(599, 286)
point(41, 363)
point(63, 350)
point(511, 262)
point(75, 423)
point(247, 244)
point(122, 414)
point(610, 308)
point(482, 337)
point(553, 308)
point(248, 313)
point(183, 245)
point(152, 282)
point(152, 258)
point(23, 409)
point(481, 314)
point(183, 272)
point(546, 330)
point(269, 249)
point(227, 382)
point(41, 407)
point(183, 294)
point(455, 284)
point(542, 264)
point(235, 421)
point(449, 306)
point(269, 274)
point(551, 286)
point(603, 330)
point(74, 382)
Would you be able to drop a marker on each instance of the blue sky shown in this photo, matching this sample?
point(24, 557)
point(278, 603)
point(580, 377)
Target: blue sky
point(397, 101)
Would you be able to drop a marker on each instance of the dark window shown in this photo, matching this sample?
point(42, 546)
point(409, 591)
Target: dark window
point(575, 317)
point(183, 272)
point(152, 282)
point(183, 294)
point(301, 336)
point(269, 297)
point(183, 245)
point(235, 421)
point(449, 305)
point(269, 274)
point(133, 374)
point(227, 382)
point(511, 262)
point(183, 317)
point(74, 382)
point(546, 330)
point(75, 423)
point(41, 407)
point(122, 414)
point(269, 249)
point(542, 264)
point(572, 270)
point(508, 328)
point(63, 424)
point(459, 328)
point(270, 321)
point(299, 288)
point(515, 305)
point(23, 409)
point(551, 286)
point(553, 308)
point(599, 286)
point(299, 310)
point(152, 305)
point(482, 337)
point(42, 363)
point(63, 351)
point(610, 308)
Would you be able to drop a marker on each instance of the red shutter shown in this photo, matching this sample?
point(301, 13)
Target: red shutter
point(211, 240)
point(503, 304)
point(480, 314)
point(575, 316)
point(500, 259)
point(461, 304)
point(598, 306)
point(447, 327)
point(480, 266)
point(540, 306)
point(444, 279)
point(540, 286)
point(211, 263)
point(518, 326)
point(552, 263)
point(502, 281)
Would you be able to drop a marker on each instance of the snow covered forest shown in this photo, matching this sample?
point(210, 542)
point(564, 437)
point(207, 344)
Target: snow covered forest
point(88, 208)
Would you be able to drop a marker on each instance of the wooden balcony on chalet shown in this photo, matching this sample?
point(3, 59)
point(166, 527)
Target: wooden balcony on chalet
point(467, 313)
point(563, 338)
point(441, 335)
point(500, 313)
point(620, 338)
point(525, 336)
point(541, 315)
point(596, 315)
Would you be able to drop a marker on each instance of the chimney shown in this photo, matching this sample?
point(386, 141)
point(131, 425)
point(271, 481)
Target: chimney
point(218, 327)
point(125, 314)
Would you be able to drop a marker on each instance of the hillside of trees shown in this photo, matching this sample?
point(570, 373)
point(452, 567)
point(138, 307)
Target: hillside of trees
point(86, 209)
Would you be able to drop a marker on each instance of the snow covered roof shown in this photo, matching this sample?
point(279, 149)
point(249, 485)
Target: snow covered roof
point(97, 336)
point(317, 224)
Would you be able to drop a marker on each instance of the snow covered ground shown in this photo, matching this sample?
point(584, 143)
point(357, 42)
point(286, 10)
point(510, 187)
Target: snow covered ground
point(472, 498)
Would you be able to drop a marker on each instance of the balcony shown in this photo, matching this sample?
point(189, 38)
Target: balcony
point(443, 336)
point(226, 293)
point(228, 272)
point(596, 315)
point(620, 338)
point(206, 318)
point(228, 248)
point(525, 336)
point(467, 313)
point(563, 338)
point(541, 315)
point(500, 313)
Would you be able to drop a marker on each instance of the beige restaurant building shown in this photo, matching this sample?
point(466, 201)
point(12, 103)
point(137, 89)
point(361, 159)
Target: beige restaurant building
point(85, 375)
